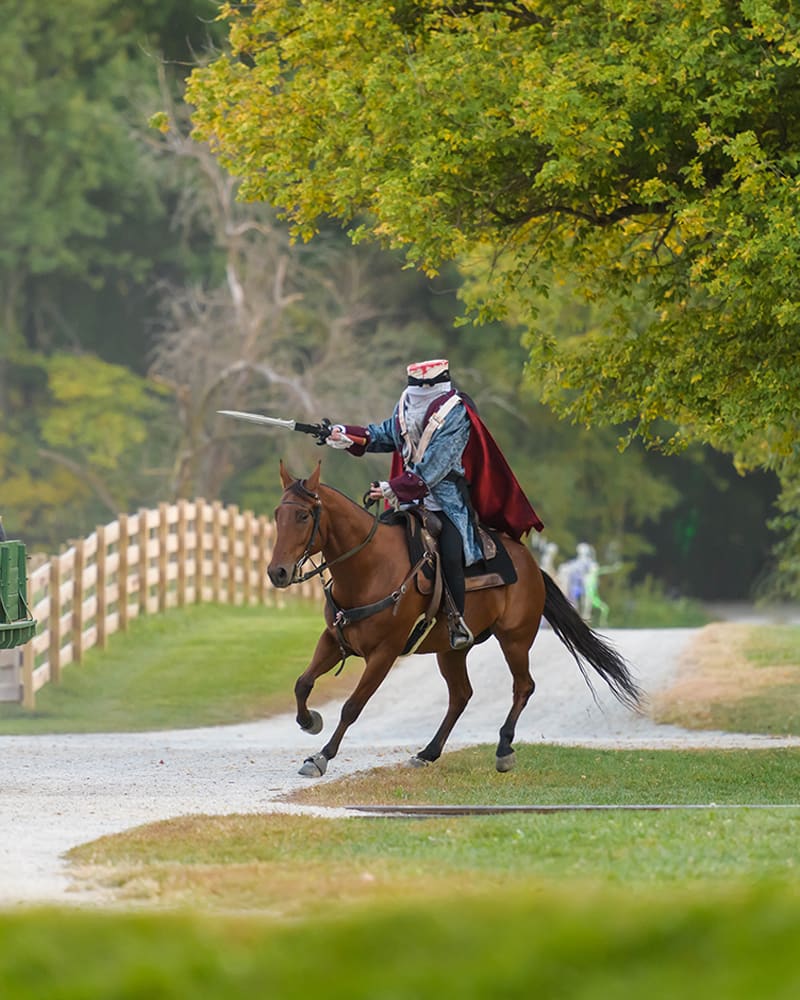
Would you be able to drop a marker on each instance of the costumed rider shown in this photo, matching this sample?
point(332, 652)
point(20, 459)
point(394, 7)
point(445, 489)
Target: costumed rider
point(446, 459)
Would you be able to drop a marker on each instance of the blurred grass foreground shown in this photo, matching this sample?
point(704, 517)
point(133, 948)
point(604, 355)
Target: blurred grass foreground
point(737, 946)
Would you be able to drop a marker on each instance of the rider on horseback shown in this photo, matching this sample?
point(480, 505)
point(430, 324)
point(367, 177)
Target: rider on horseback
point(445, 458)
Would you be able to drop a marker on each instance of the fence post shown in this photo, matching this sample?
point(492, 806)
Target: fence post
point(216, 551)
point(233, 514)
point(199, 548)
point(101, 597)
point(181, 555)
point(247, 563)
point(54, 654)
point(144, 545)
point(122, 573)
point(163, 555)
point(28, 659)
point(263, 558)
point(77, 601)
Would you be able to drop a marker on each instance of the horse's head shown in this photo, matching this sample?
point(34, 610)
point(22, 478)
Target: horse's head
point(297, 523)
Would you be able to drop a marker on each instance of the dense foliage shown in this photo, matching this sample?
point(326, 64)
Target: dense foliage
point(649, 152)
point(139, 294)
point(86, 216)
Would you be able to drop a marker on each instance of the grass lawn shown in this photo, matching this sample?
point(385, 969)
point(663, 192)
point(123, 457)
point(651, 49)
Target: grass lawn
point(289, 865)
point(736, 944)
point(589, 905)
point(292, 866)
point(737, 678)
point(214, 664)
point(553, 775)
point(205, 665)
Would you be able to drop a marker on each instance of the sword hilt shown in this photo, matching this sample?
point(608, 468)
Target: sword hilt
point(321, 431)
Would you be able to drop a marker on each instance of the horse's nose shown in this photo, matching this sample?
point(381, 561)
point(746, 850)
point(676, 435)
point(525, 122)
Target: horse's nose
point(280, 576)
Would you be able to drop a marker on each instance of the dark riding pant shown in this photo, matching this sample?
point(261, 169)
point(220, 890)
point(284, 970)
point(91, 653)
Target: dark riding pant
point(451, 550)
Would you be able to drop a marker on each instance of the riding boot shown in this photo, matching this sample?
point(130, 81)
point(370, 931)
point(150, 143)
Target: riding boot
point(450, 548)
point(460, 633)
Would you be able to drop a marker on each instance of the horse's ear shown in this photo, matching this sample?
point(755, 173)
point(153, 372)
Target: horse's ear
point(286, 477)
point(313, 480)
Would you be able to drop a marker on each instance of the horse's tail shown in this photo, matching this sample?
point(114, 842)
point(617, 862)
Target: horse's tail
point(585, 644)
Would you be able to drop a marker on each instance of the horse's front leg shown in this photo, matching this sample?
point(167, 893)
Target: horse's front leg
point(326, 656)
point(377, 667)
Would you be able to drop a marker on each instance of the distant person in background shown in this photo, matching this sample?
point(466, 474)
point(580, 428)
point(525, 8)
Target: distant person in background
point(574, 575)
point(548, 560)
point(591, 598)
point(579, 579)
point(2, 531)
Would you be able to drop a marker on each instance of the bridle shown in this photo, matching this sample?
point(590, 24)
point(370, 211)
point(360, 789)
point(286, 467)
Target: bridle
point(298, 576)
point(341, 617)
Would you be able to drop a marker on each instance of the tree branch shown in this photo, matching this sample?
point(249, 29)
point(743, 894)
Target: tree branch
point(595, 218)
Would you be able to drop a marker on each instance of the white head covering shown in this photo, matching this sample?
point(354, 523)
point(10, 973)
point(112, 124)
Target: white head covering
point(426, 381)
point(416, 400)
point(428, 372)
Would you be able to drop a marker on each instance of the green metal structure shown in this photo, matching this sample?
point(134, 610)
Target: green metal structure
point(17, 625)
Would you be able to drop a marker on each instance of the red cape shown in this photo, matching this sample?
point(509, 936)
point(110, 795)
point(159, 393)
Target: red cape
point(497, 496)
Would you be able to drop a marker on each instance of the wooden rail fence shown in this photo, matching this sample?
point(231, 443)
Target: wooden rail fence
point(179, 554)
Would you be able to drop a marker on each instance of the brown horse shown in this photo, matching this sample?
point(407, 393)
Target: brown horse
point(373, 606)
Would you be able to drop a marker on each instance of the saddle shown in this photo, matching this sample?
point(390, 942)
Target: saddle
point(423, 528)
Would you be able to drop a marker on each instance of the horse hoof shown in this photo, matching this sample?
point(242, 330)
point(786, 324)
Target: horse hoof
point(314, 767)
point(506, 763)
point(316, 723)
point(417, 761)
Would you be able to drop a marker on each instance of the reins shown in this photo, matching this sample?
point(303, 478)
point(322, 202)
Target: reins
point(342, 617)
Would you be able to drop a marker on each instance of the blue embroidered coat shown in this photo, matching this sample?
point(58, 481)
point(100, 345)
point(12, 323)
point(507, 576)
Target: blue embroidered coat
point(442, 457)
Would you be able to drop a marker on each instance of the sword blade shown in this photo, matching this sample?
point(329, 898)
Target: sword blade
point(258, 418)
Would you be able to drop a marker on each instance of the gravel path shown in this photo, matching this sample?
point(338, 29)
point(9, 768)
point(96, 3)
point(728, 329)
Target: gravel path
point(59, 791)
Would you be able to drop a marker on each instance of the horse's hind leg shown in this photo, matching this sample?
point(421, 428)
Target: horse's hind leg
point(453, 667)
point(326, 656)
point(516, 654)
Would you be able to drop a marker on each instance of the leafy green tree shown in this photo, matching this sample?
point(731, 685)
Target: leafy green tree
point(580, 484)
point(81, 450)
point(85, 219)
point(648, 151)
point(82, 210)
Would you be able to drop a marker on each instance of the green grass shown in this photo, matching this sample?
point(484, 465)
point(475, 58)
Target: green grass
point(552, 775)
point(209, 665)
point(291, 865)
point(774, 646)
point(769, 700)
point(775, 711)
point(738, 944)
point(205, 665)
point(646, 605)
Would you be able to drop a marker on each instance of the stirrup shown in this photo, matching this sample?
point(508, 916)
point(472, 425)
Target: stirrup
point(460, 634)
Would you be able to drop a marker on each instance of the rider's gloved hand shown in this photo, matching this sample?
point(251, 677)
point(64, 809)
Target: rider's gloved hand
point(337, 438)
point(383, 491)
